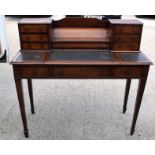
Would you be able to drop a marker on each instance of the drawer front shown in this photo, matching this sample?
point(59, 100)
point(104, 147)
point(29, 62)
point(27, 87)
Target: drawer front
point(122, 72)
point(33, 28)
point(127, 29)
point(30, 71)
point(80, 45)
point(35, 46)
point(34, 37)
point(126, 38)
point(126, 46)
point(81, 72)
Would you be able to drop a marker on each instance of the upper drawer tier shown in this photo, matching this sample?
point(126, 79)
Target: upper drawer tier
point(127, 29)
point(33, 28)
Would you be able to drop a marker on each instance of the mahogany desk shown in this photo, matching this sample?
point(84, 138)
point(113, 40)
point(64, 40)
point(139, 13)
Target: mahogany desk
point(80, 64)
point(80, 48)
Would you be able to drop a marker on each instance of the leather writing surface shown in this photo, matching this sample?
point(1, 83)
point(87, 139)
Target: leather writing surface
point(81, 55)
point(29, 56)
point(137, 57)
point(72, 56)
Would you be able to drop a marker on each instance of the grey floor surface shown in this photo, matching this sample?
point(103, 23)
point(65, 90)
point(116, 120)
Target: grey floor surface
point(76, 109)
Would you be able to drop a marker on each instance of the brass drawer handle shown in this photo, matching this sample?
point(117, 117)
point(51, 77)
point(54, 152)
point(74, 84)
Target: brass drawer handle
point(134, 30)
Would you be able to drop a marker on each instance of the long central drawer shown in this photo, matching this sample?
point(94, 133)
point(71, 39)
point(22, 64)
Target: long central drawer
point(81, 72)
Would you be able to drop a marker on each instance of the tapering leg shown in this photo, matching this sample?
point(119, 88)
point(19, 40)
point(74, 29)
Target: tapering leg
point(30, 89)
point(127, 89)
point(141, 87)
point(19, 88)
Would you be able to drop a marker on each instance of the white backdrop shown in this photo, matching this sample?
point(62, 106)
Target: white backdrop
point(3, 36)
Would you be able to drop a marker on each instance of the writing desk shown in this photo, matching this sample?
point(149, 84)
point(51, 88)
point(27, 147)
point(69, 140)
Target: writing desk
point(80, 64)
point(78, 48)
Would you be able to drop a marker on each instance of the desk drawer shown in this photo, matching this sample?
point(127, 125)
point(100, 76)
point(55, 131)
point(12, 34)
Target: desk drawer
point(35, 46)
point(126, 38)
point(126, 46)
point(33, 28)
point(34, 37)
point(81, 71)
point(127, 29)
point(30, 71)
point(125, 71)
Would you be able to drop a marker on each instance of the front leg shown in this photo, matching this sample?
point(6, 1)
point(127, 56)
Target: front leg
point(19, 88)
point(127, 89)
point(141, 87)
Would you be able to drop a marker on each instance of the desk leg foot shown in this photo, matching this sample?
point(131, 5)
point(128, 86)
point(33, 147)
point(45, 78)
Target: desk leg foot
point(132, 131)
point(30, 89)
point(26, 133)
point(141, 87)
point(124, 110)
point(32, 111)
point(127, 89)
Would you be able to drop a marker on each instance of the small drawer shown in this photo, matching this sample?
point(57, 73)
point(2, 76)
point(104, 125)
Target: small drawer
point(26, 71)
point(123, 72)
point(125, 46)
point(35, 46)
point(30, 71)
point(81, 71)
point(34, 37)
point(126, 38)
point(33, 28)
point(41, 71)
point(127, 29)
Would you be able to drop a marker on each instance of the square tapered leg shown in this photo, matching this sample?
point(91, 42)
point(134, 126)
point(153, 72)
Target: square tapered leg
point(30, 89)
point(19, 88)
point(127, 89)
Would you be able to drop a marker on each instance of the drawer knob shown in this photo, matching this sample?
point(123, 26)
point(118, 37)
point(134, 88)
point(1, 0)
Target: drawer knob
point(134, 30)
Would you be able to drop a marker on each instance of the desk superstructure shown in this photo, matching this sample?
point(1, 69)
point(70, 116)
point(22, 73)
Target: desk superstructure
point(80, 33)
point(80, 48)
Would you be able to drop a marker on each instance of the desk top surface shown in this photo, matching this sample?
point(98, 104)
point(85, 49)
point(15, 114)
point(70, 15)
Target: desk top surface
point(35, 21)
point(125, 21)
point(79, 57)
